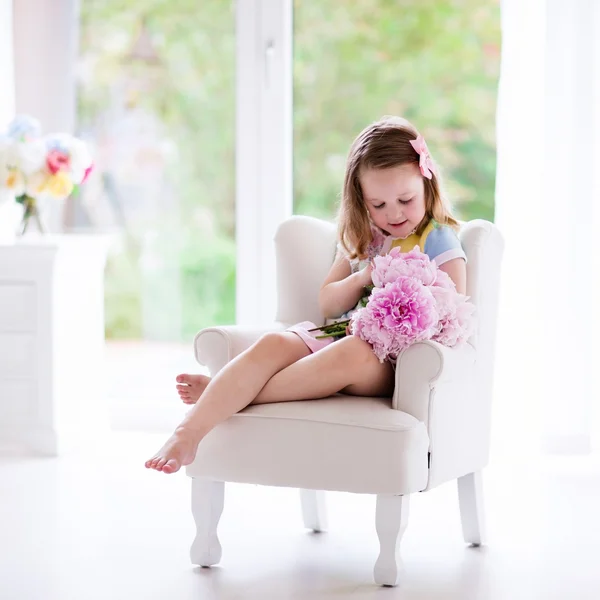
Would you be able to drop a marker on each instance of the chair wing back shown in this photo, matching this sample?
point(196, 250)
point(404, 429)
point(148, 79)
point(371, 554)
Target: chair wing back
point(484, 247)
point(305, 250)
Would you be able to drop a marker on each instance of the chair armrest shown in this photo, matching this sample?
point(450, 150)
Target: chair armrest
point(424, 366)
point(442, 388)
point(214, 347)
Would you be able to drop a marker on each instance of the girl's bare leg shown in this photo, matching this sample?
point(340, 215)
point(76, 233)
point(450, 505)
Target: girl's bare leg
point(349, 365)
point(233, 388)
point(191, 387)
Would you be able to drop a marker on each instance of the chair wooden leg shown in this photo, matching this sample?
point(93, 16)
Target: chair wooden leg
point(207, 506)
point(314, 509)
point(470, 500)
point(391, 520)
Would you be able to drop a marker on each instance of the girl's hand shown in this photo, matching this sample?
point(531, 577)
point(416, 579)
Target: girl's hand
point(366, 279)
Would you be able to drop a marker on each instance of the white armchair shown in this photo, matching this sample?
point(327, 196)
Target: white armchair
point(436, 428)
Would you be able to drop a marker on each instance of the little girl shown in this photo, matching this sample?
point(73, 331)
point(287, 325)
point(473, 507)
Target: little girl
point(391, 197)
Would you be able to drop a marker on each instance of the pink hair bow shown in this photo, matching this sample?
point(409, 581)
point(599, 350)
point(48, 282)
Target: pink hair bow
point(425, 163)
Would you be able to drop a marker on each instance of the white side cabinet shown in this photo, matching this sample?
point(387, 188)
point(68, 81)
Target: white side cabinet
point(52, 342)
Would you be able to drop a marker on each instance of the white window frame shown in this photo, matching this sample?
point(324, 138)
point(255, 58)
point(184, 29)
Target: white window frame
point(264, 139)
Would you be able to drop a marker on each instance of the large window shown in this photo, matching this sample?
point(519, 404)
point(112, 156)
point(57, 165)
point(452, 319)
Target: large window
point(157, 100)
point(435, 63)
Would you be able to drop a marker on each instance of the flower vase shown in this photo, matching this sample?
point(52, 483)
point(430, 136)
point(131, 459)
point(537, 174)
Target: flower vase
point(31, 216)
point(10, 216)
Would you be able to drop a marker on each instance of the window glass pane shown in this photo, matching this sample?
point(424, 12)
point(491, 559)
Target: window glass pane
point(434, 62)
point(157, 98)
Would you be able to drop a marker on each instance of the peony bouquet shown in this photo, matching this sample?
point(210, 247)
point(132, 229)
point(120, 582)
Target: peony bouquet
point(34, 167)
point(411, 301)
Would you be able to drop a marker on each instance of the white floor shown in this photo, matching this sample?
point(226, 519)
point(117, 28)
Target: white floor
point(97, 525)
point(140, 384)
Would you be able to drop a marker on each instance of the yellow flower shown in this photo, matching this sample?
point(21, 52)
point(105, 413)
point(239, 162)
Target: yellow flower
point(36, 184)
point(15, 182)
point(59, 185)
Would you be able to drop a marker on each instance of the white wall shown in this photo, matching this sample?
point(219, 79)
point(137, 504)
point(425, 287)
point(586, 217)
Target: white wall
point(46, 39)
point(7, 97)
point(7, 105)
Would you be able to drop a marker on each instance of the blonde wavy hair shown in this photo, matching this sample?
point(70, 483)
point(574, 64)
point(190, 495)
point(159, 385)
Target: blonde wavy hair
point(382, 145)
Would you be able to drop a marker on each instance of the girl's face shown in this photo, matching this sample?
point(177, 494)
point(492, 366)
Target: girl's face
point(395, 198)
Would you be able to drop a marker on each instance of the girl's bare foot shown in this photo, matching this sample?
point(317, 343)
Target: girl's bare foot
point(179, 450)
point(190, 387)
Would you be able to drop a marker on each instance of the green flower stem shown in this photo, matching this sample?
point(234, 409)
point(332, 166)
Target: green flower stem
point(334, 333)
point(332, 326)
point(31, 212)
point(320, 337)
point(332, 330)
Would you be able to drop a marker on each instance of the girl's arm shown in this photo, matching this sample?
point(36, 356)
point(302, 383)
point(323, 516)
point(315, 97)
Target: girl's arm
point(443, 242)
point(457, 270)
point(342, 289)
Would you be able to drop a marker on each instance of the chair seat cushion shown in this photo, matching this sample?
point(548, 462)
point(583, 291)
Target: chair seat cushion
point(343, 443)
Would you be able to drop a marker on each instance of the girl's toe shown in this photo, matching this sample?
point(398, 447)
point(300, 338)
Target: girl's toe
point(171, 466)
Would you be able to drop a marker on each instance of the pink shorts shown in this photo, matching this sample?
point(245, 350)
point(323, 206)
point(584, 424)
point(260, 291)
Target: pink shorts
point(309, 337)
point(314, 345)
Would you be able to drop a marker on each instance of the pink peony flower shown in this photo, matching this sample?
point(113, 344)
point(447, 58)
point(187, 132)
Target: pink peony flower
point(443, 280)
point(397, 315)
point(413, 300)
point(456, 317)
point(409, 264)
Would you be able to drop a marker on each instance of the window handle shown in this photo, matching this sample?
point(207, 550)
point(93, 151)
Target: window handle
point(269, 55)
